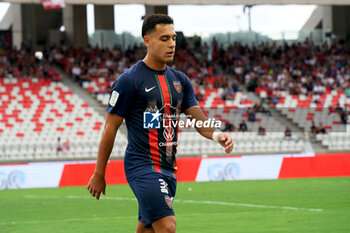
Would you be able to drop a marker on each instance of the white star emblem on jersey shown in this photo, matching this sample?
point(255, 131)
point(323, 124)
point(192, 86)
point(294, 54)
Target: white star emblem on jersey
point(155, 115)
point(149, 89)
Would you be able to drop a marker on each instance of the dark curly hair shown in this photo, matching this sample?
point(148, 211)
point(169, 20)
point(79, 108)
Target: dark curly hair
point(150, 22)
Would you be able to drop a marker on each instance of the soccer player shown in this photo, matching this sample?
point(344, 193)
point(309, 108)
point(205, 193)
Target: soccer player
point(142, 95)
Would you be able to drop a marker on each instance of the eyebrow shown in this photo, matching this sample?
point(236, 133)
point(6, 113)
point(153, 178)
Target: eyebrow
point(167, 35)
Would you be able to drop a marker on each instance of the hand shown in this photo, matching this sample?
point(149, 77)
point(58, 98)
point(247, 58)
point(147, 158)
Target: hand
point(97, 184)
point(226, 142)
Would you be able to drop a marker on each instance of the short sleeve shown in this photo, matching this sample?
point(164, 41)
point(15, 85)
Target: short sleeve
point(189, 98)
point(121, 96)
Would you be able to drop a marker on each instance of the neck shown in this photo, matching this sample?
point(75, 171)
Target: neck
point(151, 63)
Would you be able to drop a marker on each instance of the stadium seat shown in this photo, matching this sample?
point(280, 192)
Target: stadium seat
point(51, 111)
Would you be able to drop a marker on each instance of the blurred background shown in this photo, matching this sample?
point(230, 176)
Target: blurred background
point(276, 76)
point(260, 69)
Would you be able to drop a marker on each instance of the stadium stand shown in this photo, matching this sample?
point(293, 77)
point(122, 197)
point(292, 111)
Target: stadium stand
point(311, 88)
point(36, 111)
point(218, 98)
point(303, 81)
point(36, 108)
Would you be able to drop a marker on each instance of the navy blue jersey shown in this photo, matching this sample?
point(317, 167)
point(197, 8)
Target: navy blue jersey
point(151, 101)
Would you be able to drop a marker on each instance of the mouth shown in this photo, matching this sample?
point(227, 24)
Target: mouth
point(170, 54)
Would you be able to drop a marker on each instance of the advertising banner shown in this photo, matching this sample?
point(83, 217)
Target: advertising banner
point(249, 167)
point(33, 175)
point(53, 4)
point(240, 168)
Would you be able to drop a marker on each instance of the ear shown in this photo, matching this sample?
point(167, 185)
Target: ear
point(147, 41)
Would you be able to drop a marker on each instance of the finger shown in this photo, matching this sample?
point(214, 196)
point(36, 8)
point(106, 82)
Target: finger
point(104, 191)
point(90, 189)
point(98, 195)
point(229, 141)
point(221, 137)
point(229, 148)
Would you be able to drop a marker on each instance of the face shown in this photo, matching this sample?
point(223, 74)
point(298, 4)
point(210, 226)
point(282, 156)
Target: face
point(161, 43)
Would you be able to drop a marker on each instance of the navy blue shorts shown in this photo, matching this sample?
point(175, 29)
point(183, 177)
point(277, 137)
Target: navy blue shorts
point(155, 194)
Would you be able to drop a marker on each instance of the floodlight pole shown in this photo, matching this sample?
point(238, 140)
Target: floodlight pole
point(249, 15)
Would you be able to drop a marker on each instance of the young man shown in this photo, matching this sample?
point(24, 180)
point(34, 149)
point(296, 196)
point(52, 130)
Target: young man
point(145, 92)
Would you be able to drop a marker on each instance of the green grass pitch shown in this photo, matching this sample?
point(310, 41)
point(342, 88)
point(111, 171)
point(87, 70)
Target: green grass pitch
point(290, 205)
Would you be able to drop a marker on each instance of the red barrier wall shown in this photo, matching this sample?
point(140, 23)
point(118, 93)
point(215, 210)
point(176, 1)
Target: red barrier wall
point(79, 174)
point(76, 174)
point(187, 168)
point(321, 165)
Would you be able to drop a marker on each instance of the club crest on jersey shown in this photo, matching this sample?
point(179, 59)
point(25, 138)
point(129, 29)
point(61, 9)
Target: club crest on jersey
point(177, 86)
point(168, 133)
point(169, 201)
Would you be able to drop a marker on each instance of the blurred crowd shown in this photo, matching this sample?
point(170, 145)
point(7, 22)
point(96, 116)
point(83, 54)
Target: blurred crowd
point(21, 63)
point(87, 64)
point(299, 68)
point(91, 63)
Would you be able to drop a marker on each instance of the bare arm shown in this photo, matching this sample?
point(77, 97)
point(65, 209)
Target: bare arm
point(225, 140)
point(97, 183)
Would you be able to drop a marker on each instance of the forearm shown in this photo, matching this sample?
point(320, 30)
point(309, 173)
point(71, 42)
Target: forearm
point(206, 132)
point(197, 114)
point(104, 150)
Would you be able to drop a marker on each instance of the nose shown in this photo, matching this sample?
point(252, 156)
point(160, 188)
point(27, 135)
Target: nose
point(172, 43)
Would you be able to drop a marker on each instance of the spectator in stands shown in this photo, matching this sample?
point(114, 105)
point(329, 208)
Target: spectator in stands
point(313, 129)
point(4, 66)
point(54, 75)
point(318, 88)
point(261, 131)
point(317, 130)
point(235, 86)
point(339, 109)
point(243, 127)
point(66, 145)
point(331, 110)
point(253, 82)
point(321, 129)
point(229, 127)
point(199, 96)
point(244, 97)
point(229, 93)
point(4, 43)
point(347, 90)
point(251, 115)
point(59, 146)
point(258, 107)
point(343, 117)
point(288, 134)
point(76, 72)
point(316, 98)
